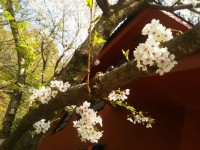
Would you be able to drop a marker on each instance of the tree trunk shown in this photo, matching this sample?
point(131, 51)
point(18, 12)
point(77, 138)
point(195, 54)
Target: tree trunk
point(17, 94)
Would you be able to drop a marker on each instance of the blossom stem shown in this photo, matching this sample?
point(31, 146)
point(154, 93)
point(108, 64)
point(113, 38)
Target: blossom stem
point(89, 53)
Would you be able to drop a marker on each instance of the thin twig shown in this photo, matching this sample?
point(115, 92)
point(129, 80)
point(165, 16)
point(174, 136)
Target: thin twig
point(89, 54)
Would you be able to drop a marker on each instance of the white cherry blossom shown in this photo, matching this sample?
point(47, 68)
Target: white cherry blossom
point(46, 94)
point(86, 125)
point(41, 126)
point(193, 2)
point(148, 126)
point(54, 93)
point(118, 95)
point(1, 141)
point(151, 53)
point(130, 119)
point(12, 111)
point(96, 63)
point(1, 10)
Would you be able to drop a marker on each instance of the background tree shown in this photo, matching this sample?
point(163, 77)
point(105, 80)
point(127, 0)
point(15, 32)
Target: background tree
point(76, 69)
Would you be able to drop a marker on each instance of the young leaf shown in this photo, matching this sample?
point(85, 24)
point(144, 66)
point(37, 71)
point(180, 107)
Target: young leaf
point(16, 5)
point(96, 39)
point(100, 40)
point(7, 15)
point(96, 19)
point(126, 54)
point(89, 3)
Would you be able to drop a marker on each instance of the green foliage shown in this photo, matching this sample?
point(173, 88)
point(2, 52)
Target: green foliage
point(8, 59)
point(4, 100)
point(89, 3)
point(96, 19)
point(96, 39)
point(30, 45)
point(125, 105)
point(16, 4)
point(7, 15)
point(32, 133)
point(126, 54)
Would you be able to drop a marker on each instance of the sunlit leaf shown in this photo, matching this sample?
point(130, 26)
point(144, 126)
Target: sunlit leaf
point(96, 39)
point(89, 3)
point(126, 54)
point(96, 19)
point(7, 15)
point(100, 40)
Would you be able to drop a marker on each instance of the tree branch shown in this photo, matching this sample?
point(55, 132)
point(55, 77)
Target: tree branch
point(104, 5)
point(17, 94)
point(170, 8)
point(194, 10)
point(120, 2)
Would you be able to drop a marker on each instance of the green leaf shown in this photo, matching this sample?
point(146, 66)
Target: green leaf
point(100, 40)
point(89, 3)
point(39, 86)
point(151, 120)
point(7, 15)
point(22, 45)
point(16, 5)
point(96, 19)
point(32, 133)
point(96, 39)
point(26, 24)
point(21, 85)
point(126, 54)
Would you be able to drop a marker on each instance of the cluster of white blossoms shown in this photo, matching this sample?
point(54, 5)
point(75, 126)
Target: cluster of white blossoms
point(193, 2)
point(141, 120)
point(12, 111)
point(41, 126)
point(60, 85)
point(1, 10)
point(1, 141)
point(151, 53)
point(97, 62)
point(118, 95)
point(46, 94)
point(86, 126)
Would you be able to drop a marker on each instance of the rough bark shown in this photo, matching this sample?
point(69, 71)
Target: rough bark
point(17, 94)
point(172, 8)
point(104, 5)
point(185, 44)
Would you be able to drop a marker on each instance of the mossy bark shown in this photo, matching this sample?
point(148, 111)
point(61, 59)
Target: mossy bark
point(21, 73)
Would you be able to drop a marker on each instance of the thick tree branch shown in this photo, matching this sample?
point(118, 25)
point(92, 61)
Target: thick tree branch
point(194, 10)
point(75, 71)
point(185, 44)
point(172, 8)
point(104, 5)
point(121, 2)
